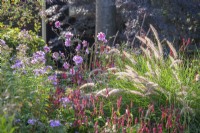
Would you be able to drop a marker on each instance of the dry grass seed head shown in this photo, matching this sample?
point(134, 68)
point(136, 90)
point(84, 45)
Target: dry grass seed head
point(172, 49)
point(87, 85)
point(127, 55)
point(158, 40)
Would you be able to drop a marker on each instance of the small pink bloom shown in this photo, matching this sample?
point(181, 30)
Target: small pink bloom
point(85, 43)
point(68, 35)
point(67, 42)
point(57, 24)
point(78, 47)
point(77, 59)
point(87, 51)
point(62, 54)
point(66, 65)
point(55, 55)
point(46, 49)
point(105, 41)
point(101, 36)
point(72, 71)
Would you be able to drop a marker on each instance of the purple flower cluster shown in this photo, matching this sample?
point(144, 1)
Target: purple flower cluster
point(18, 64)
point(24, 34)
point(102, 37)
point(68, 37)
point(64, 101)
point(38, 57)
point(42, 71)
point(53, 79)
point(55, 123)
point(2, 42)
point(32, 121)
point(22, 48)
point(77, 59)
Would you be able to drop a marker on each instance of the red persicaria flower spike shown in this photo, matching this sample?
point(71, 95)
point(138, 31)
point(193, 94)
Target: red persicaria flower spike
point(154, 130)
point(136, 121)
point(119, 103)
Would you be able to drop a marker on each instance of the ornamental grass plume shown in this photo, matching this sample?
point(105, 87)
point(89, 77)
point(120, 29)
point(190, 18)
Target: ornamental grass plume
point(87, 85)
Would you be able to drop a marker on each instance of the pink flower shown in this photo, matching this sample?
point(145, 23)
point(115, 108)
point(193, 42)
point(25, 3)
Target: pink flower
point(57, 24)
point(62, 54)
point(67, 42)
point(66, 65)
point(55, 55)
point(101, 36)
point(78, 47)
point(46, 49)
point(68, 35)
point(77, 59)
point(87, 51)
point(85, 43)
point(72, 71)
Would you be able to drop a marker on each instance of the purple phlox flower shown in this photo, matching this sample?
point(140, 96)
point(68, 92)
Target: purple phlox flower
point(48, 68)
point(55, 123)
point(85, 43)
point(57, 24)
point(24, 34)
point(66, 65)
point(101, 36)
point(87, 51)
point(77, 59)
point(46, 49)
point(68, 35)
point(68, 42)
point(55, 55)
point(18, 64)
point(2, 42)
point(24, 72)
point(39, 71)
point(53, 79)
point(38, 57)
point(64, 101)
point(17, 121)
point(32, 121)
point(78, 47)
point(62, 54)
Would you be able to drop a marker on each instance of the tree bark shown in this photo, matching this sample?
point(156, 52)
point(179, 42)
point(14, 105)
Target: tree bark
point(106, 18)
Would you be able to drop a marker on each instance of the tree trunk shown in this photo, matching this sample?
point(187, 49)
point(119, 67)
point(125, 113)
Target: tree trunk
point(106, 18)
